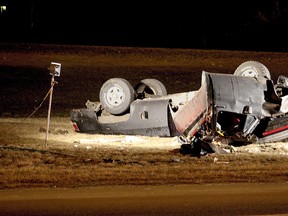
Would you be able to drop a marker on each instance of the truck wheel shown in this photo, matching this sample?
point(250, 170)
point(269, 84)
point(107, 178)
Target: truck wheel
point(116, 95)
point(252, 69)
point(148, 87)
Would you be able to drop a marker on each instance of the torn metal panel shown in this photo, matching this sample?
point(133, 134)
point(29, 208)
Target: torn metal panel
point(234, 93)
point(189, 117)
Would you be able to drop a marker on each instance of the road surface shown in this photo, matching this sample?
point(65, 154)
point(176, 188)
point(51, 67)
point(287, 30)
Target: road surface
point(227, 199)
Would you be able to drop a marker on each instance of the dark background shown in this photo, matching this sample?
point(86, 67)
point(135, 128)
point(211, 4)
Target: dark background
point(233, 25)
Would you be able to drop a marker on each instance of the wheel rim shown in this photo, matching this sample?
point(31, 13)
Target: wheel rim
point(115, 96)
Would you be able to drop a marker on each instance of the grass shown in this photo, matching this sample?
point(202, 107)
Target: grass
point(23, 168)
point(26, 162)
point(24, 81)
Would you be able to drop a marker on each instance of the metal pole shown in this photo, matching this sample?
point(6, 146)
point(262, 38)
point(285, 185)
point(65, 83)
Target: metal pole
point(49, 110)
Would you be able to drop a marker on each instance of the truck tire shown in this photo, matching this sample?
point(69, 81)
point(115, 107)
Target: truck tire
point(150, 87)
point(116, 95)
point(252, 69)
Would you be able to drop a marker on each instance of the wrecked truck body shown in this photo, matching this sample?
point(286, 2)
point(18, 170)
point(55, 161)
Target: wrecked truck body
point(146, 118)
point(240, 110)
point(151, 116)
point(228, 109)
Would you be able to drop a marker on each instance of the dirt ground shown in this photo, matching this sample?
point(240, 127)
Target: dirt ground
point(25, 80)
point(61, 131)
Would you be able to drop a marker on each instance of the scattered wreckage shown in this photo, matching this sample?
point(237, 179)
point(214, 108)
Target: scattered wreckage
point(227, 110)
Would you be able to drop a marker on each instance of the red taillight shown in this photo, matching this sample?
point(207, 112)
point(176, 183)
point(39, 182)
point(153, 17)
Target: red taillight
point(75, 127)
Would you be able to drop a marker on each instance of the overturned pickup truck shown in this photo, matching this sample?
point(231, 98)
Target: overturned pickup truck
point(228, 109)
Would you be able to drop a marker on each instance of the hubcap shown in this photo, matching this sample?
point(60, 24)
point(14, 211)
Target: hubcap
point(249, 73)
point(115, 96)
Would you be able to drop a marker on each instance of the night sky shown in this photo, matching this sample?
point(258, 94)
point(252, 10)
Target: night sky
point(234, 25)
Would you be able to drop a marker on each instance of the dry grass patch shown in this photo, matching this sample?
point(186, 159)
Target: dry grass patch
point(22, 168)
point(26, 162)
